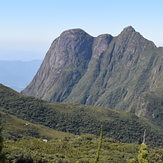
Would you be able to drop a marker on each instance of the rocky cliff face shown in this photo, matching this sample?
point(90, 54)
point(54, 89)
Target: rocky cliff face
point(102, 71)
point(64, 65)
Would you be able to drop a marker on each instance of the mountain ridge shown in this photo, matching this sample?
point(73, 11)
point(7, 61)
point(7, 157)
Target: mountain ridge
point(101, 71)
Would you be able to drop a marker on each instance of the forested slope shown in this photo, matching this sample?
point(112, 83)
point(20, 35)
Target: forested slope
point(79, 119)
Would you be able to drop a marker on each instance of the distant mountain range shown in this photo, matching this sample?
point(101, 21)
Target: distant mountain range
point(18, 74)
point(123, 73)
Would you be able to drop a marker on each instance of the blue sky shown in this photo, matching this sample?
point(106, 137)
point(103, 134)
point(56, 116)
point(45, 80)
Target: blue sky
point(28, 27)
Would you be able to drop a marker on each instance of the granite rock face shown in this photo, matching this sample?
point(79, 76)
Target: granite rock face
point(101, 71)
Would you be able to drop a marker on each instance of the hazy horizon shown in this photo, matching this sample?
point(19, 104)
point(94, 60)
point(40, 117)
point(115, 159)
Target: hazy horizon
point(29, 27)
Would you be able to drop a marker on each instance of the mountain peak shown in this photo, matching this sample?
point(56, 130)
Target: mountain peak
point(79, 68)
point(129, 28)
point(75, 31)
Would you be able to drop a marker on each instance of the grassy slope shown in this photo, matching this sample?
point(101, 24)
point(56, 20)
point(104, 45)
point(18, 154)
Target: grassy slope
point(79, 119)
point(17, 129)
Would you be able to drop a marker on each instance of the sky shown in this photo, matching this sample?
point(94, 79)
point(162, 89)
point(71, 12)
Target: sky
point(28, 27)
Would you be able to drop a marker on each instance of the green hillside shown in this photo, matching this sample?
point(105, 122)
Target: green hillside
point(17, 129)
point(79, 119)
